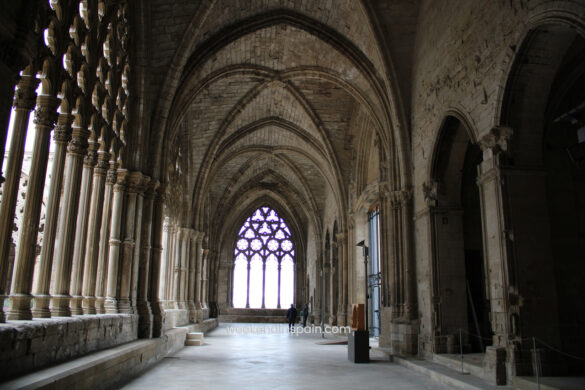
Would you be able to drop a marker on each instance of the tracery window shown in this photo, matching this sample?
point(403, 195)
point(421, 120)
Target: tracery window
point(264, 262)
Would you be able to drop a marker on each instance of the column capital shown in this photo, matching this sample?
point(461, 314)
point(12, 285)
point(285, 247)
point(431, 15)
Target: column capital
point(46, 113)
point(136, 181)
point(91, 158)
point(430, 192)
point(62, 132)
point(495, 141)
point(341, 237)
point(25, 97)
point(121, 179)
point(400, 198)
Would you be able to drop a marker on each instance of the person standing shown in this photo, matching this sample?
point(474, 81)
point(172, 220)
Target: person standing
point(291, 316)
point(304, 315)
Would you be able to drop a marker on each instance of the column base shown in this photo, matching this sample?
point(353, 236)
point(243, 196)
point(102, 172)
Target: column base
point(60, 306)
point(192, 312)
point(19, 307)
point(158, 319)
point(111, 306)
point(75, 305)
point(495, 365)
point(404, 337)
point(125, 306)
point(332, 319)
point(341, 319)
point(40, 307)
point(145, 320)
point(2, 315)
point(99, 305)
point(88, 305)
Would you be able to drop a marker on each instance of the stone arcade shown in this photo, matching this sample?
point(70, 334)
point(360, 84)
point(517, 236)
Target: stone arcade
point(196, 161)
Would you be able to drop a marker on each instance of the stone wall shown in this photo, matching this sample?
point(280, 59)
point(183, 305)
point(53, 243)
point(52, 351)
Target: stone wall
point(30, 345)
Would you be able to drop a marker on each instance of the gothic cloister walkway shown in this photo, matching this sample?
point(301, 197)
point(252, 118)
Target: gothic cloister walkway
point(233, 360)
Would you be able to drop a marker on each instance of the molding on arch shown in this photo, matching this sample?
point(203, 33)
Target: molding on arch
point(566, 13)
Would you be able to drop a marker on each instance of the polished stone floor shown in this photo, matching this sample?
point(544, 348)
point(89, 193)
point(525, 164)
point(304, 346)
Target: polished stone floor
point(266, 356)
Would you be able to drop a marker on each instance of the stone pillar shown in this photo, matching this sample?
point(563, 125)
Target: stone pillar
point(78, 263)
point(20, 296)
point(138, 238)
point(143, 305)
point(61, 136)
point(92, 250)
point(263, 284)
point(166, 238)
point(490, 180)
point(24, 102)
point(158, 313)
point(104, 235)
point(133, 180)
point(177, 268)
point(204, 305)
point(112, 297)
point(63, 257)
point(342, 284)
point(169, 267)
point(199, 264)
point(192, 275)
point(181, 293)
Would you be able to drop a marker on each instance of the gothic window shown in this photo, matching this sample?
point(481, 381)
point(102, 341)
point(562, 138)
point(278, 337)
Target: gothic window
point(264, 262)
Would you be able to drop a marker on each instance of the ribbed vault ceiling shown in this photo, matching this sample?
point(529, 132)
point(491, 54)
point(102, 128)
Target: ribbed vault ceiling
point(268, 102)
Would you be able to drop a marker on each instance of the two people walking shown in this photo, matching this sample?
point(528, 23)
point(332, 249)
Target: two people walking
point(291, 316)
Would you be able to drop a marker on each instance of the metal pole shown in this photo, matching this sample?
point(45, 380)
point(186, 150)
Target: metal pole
point(461, 349)
point(366, 284)
point(536, 365)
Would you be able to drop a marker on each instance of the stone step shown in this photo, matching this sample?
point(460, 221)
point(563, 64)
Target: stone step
point(472, 363)
point(193, 343)
point(195, 336)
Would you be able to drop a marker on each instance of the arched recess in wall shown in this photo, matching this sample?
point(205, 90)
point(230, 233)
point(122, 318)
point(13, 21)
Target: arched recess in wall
point(459, 276)
point(544, 105)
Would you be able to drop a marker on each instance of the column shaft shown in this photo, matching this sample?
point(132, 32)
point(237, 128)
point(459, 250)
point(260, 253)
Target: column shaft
point(63, 257)
point(20, 298)
point(111, 302)
point(104, 235)
point(92, 250)
point(78, 264)
point(24, 102)
point(61, 136)
point(156, 268)
point(192, 276)
point(143, 305)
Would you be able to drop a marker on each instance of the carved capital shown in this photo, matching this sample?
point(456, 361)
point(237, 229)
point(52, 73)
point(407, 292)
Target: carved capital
point(46, 113)
point(136, 182)
point(400, 198)
point(111, 176)
point(430, 192)
point(25, 97)
point(77, 146)
point(495, 141)
point(62, 132)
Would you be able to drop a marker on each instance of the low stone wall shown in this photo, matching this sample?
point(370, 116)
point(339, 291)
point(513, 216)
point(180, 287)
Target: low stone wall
point(110, 368)
point(27, 346)
point(175, 318)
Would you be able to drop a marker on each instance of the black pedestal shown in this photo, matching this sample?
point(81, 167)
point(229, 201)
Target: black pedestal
point(358, 346)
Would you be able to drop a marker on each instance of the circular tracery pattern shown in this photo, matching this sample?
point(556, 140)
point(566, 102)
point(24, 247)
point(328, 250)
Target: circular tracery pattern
point(263, 262)
point(264, 233)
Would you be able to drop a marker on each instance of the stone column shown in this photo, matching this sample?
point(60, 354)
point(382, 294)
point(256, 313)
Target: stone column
point(63, 257)
point(24, 102)
point(247, 287)
point(78, 264)
point(192, 276)
point(169, 265)
point(133, 180)
point(177, 268)
point(112, 297)
point(204, 279)
point(490, 180)
point(278, 291)
point(185, 237)
point(20, 297)
point(263, 284)
point(138, 225)
point(61, 136)
point(166, 238)
point(92, 250)
point(143, 305)
point(104, 235)
point(342, 284)
point(158, 313)
point(199, 264)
